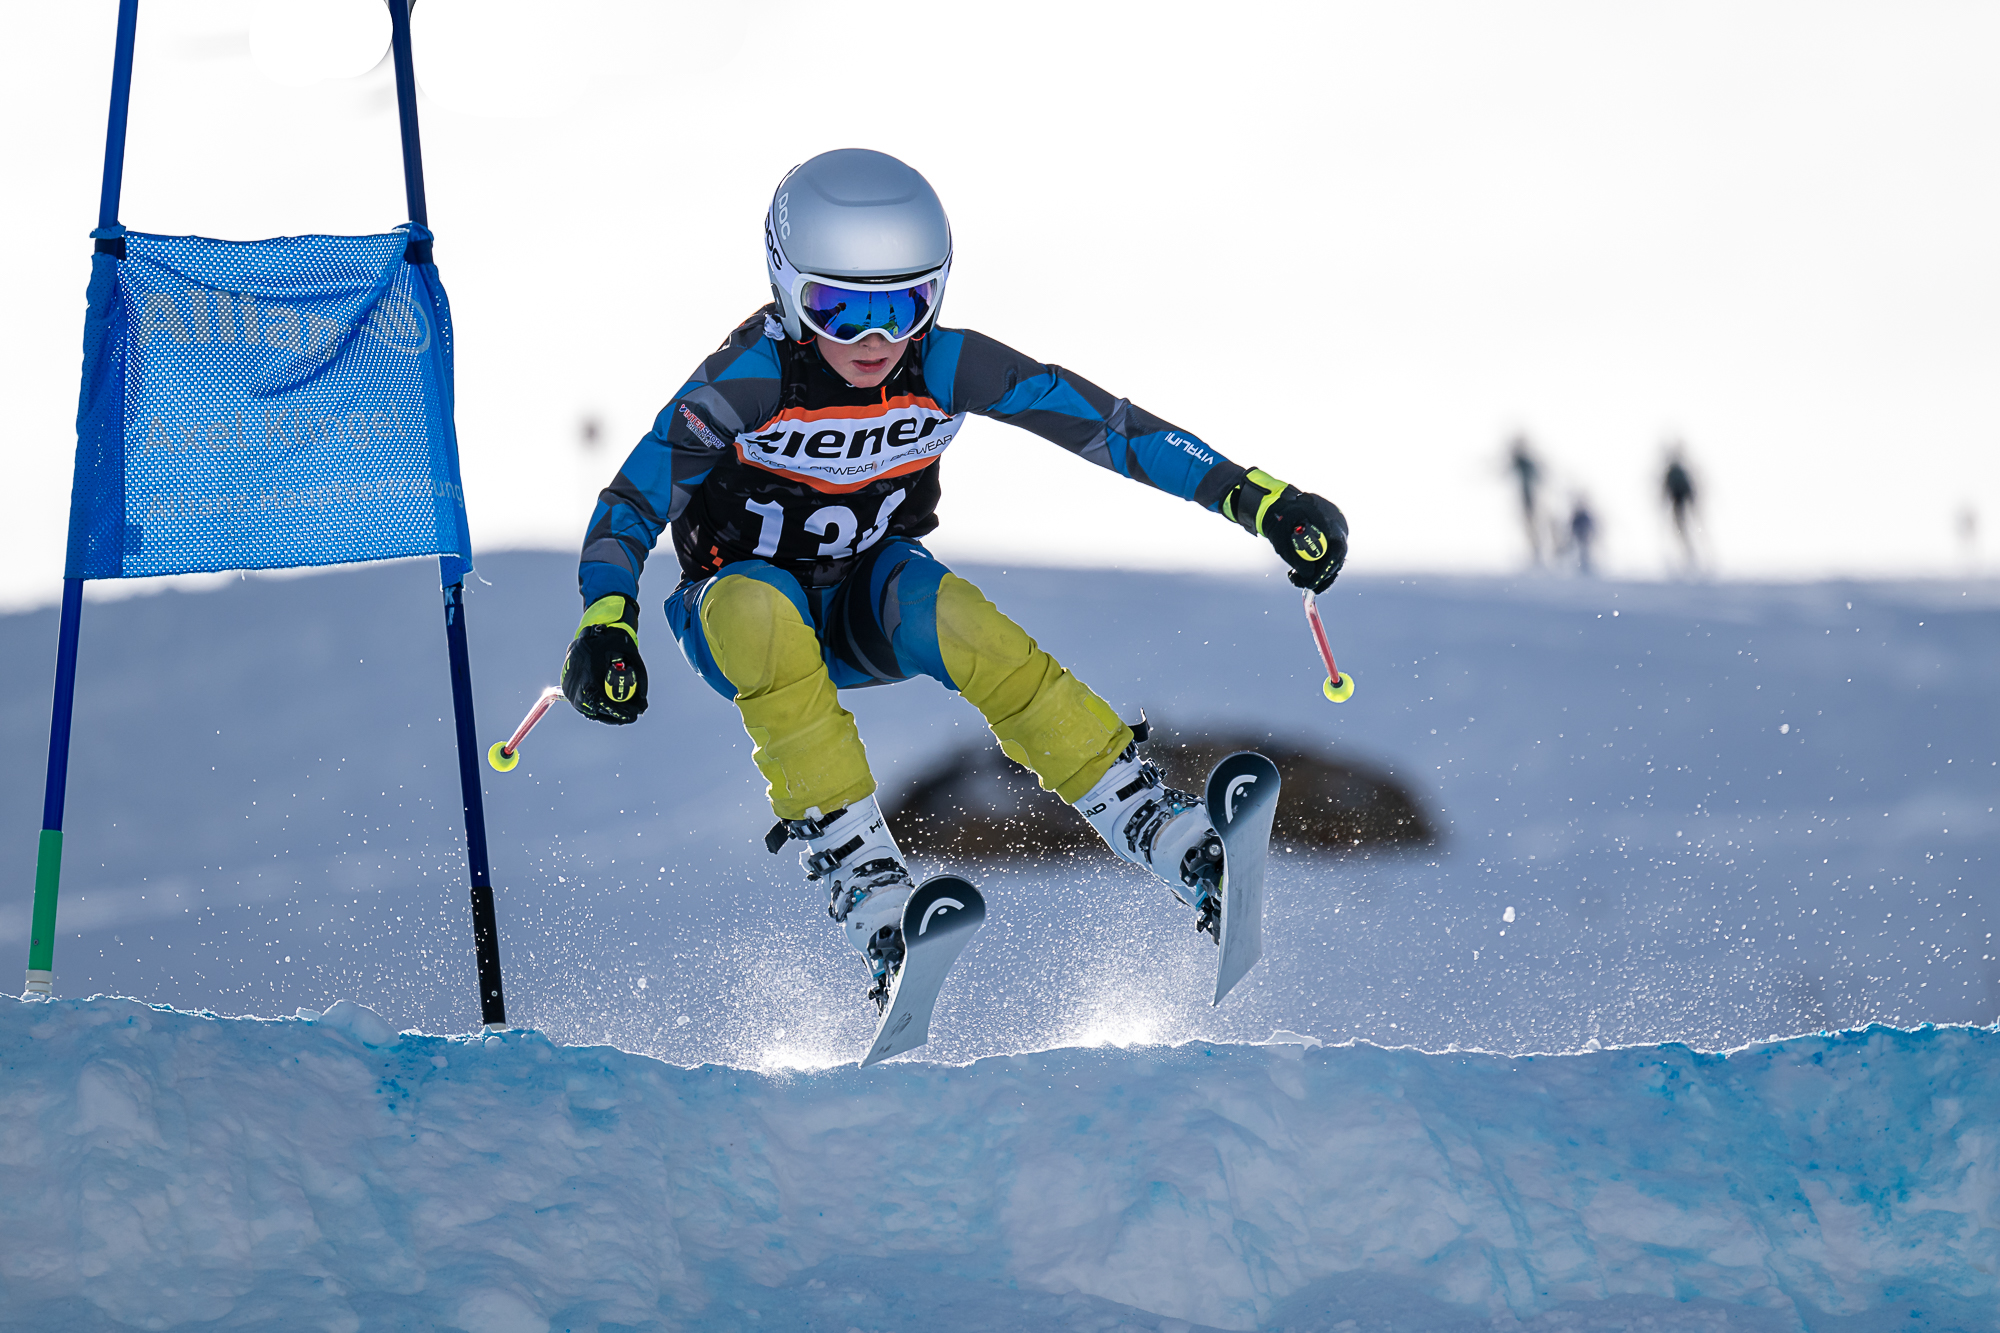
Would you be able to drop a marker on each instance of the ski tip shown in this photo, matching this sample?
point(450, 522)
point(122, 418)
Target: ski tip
point(1244, 782)
point(943, 904)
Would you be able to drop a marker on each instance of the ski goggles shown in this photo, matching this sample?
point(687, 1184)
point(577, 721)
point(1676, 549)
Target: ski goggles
point(847, 312)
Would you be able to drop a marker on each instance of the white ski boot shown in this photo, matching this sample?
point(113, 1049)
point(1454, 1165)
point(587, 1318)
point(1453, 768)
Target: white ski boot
point(855, 853)
point(1153, 825)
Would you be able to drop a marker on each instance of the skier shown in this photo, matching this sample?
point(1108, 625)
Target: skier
point(798, 471)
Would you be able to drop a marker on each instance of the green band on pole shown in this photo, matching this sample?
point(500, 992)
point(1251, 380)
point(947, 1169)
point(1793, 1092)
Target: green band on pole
point(48, 874)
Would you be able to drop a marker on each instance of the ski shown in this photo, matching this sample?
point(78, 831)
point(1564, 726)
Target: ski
point(1242, 797)
point(938, 922)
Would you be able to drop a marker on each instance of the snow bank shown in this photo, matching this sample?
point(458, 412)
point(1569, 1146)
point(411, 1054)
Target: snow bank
point(166, 1169)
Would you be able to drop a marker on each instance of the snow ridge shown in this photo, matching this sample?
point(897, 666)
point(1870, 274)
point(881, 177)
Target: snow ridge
point(167, 1169)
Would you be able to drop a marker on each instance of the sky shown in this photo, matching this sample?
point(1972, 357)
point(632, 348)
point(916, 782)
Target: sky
point(1358, 245)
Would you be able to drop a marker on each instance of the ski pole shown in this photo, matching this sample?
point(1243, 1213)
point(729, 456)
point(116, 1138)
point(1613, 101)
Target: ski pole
point(1338, 688)
point(505, 754)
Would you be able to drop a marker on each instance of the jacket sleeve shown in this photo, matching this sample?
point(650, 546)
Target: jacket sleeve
point(970, 372)
point(734, 389)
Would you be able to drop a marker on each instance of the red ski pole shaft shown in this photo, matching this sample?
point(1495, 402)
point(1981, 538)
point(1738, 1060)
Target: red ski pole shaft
point(1338, 688)
point(549, 696)
point(505, 754)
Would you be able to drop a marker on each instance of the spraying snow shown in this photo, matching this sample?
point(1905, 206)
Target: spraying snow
point(1721, 813)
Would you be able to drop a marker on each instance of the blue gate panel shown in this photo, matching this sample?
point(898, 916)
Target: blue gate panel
point(264, 404)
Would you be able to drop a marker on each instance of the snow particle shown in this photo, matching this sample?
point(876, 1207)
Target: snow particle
point(1784, 728)
point(1507, 915)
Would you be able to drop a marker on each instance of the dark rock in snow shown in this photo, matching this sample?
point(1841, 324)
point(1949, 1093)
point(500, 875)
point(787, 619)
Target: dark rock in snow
point(977, 803)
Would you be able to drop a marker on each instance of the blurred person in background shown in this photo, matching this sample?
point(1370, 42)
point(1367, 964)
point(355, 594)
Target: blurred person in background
point(1582, 534)
point(1678, 487)
point(1528, 475)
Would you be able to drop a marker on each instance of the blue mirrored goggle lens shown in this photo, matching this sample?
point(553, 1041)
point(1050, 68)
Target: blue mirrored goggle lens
point(847, 313)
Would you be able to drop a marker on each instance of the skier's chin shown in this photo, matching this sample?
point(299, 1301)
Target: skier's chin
point(865, 364)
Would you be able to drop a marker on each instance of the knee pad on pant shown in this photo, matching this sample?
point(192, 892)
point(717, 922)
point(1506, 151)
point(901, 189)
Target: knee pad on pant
point(807, 746)
point(1045, 718)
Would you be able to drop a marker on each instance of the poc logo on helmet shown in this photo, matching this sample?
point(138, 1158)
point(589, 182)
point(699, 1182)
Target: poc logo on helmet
point(784, 218)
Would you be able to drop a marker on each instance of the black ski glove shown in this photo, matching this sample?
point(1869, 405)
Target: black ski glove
point(1307, 532)
point(602, 675)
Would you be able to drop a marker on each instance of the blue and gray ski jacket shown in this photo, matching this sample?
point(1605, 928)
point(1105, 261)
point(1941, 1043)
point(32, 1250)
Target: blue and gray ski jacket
point(766, 453)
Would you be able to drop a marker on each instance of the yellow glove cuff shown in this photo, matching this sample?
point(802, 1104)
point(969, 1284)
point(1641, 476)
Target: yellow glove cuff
point(1252, 499)
point(608, 611)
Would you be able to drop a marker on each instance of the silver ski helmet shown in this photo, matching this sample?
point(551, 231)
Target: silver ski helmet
point(856, 243)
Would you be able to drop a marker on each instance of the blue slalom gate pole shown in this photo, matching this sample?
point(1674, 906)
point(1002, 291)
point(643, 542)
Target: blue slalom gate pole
point(451, 573)
point(485, 931)
point(48, 852)
point(121, 101)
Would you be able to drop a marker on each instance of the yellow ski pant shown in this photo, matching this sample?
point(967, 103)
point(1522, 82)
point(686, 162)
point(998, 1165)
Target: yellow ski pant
point(782, 652)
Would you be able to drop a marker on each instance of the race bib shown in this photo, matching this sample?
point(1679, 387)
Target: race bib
point(839, 449)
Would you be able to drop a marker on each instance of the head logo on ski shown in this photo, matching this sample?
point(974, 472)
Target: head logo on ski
point(941, 905)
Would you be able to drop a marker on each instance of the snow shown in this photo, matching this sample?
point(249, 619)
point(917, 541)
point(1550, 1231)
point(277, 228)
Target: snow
point(168, 1169)
point(1678, 867)
point(1678, 818)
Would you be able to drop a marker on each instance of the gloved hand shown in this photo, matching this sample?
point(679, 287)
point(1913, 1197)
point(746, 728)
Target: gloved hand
point(1308, 533)
point(603, 676)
